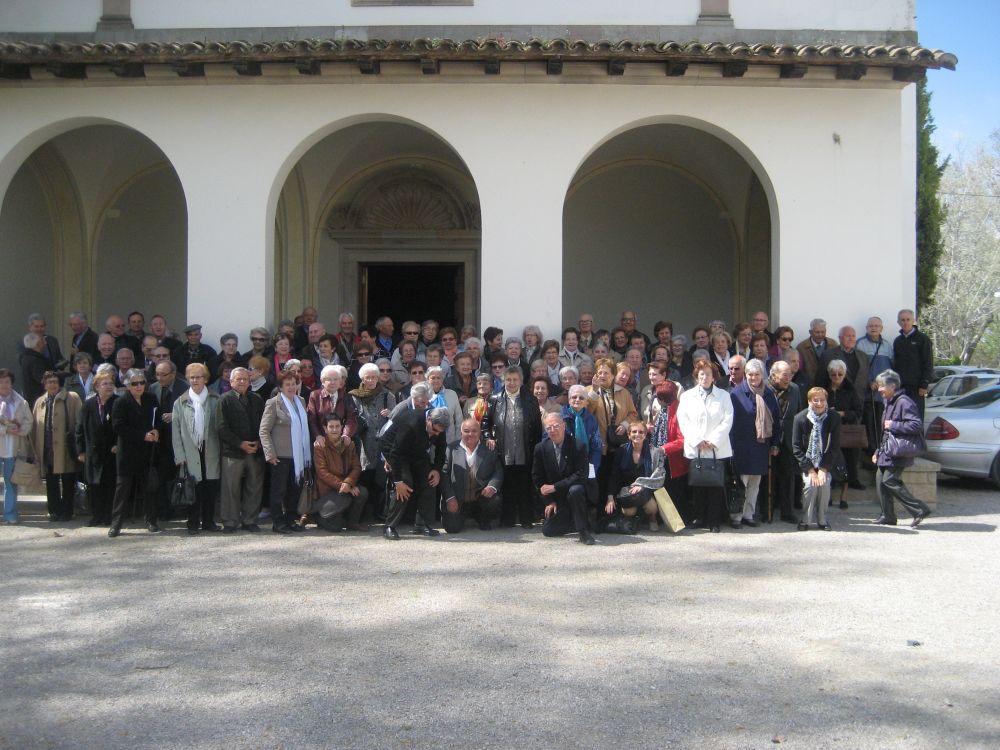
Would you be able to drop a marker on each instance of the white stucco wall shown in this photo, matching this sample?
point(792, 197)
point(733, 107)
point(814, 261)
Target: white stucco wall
point(845, 205)
point(82, 15)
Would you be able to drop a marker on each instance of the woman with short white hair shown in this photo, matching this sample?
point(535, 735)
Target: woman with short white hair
point(755, 435)
point(331, 396)
point(445, 398)
point(197, 450)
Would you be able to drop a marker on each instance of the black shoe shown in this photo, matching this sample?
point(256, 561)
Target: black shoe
point(94, 522)
point(736, 525)
point(424, 531)
point(113, 532)
point(856, 485)
point(390, 533)
point(918, 518)
point(211, 527)
point(803, 527)
point(587, 538)
point(883, 521)
point(751, 524)
point(228, 529)
point(715, 530)
point(281, 529)
point(193, 532)
point(296, 527)
point(843, 505)
point(152, 528)
point(52, 518)
point(250, 527)
point(789, 519)
point(696, 524)
point(826, 527)
point(485, 526)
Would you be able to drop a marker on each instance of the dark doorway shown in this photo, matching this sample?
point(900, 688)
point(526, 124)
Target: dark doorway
point(412, 291)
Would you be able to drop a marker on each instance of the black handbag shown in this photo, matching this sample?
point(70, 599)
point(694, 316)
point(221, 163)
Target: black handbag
point(903, 446)
point(707, 472)
point(183, 489)
point(736, 494)
point(621, 525)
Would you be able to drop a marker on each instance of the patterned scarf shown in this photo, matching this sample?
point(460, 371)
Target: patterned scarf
point(815, 451)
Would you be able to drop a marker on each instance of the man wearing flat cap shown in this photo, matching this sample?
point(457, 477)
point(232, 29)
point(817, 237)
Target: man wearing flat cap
point(192, 350)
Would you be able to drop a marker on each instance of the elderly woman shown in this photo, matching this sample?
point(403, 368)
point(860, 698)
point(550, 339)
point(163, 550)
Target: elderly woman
point(719, 354)
point(582, 425)
point(755, 435)
point(55, 416)
point(15, 425)
point(705, 417)
point(666, 435)
point(445, 398)
point(81, 382)
point(540, 389)
point(636, 472)
point(760, 346)
point(282, 343)
point(461, 380)
point(195, 438)
point(222, 384)
point(284, 436)
point(332, 398)
point(568, 377)
point(615, 411)
point(586, 374)
point(338, 474)
point(294, 366)
point(783, 337)
point(373, 403)
point(679, 365)
point(601, 350)
point(550, 355)
point(95, 446)
point(902, 439)
point(799, 376)
point(742, 334)
point(532, 350)
point(136, 420)
point(476, 407)
point(843, 399)
point(385, 376)
point(407, 353)
point(816, 446)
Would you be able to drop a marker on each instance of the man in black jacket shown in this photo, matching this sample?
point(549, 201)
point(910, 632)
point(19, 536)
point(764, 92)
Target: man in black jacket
point(787, 484)
point(913, 356)
point(559, 473)
point(84, 338)
point(405, 445)
point(240, 412)
point(193, 350)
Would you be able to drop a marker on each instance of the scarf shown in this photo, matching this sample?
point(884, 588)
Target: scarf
point(763, 422)
point(645, 457)
point(660, 427)
point(815, 451)
point(198, 403)
point(479, 410)
point(363, 393)
point(301, 449)
point(438, 401)
point(580, 429)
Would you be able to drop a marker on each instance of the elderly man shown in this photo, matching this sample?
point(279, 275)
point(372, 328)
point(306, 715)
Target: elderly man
point(759, 324)
point(166, 390)
point(51, 351)
point(345, 339)
point(856, 360)
point(787, 481)
point(386, 340)
point(813, 348)
point(914, 357)
point(115, 325)
point(471, 481)
point(136, 325)
point(240, 412)
point(84, 338)
point(585, 325)
point(311, 350)
point(124, 361)
point(193, 350)
point(164, 337)
point(736, 372)
point(34, 364)
point(149, 344)
point(105, 350)
point(300, 333)
point(406, 445)
point(159, 354)
point(627, 322)
point(879, 351)
point(559, 471)
point(418, 397)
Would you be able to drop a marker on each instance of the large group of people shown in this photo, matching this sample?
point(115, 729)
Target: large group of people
point(585, 433)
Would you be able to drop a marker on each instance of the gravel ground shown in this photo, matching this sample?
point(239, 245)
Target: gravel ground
point(748, 639)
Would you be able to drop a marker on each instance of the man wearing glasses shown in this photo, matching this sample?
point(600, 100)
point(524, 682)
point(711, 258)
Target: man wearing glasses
point(585, 326)
point(759, 322)
point(628, 322)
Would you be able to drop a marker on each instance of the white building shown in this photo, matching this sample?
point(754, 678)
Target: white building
point(229, 162)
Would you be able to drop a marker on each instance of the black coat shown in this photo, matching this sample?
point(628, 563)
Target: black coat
point(913, 358)
point(95, 436)
point(795, 403)
point(574, 470)
point(131, 422)
point(845, 399)
point(496, 416)
point(802, 430)
point(183, 356)
point(33, 366)
point(239, 421)
point(405, 445)
point(88, 343)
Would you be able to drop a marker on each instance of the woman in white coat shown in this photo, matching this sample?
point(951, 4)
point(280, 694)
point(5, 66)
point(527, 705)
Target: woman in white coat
point(705, 416)
point(195, 438)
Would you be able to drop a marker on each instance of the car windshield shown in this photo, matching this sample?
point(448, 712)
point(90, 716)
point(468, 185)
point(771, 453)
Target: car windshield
point(976, 399)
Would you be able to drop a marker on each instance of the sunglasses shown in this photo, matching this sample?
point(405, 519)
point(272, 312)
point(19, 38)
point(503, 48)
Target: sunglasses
point(381, 369)
point(364, 354)
point(137, 382)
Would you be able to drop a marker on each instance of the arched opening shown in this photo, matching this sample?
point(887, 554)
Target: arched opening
point(94, 220)
point(671, 221)
point(379, 218)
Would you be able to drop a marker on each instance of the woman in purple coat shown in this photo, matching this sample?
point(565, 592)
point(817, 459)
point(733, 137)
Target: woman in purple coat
point(756, 434)
point(902, 439)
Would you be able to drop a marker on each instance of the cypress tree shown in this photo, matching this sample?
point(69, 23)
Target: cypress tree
point(930, 212)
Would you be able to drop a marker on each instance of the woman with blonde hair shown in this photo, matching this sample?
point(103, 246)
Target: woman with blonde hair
point(195, 438)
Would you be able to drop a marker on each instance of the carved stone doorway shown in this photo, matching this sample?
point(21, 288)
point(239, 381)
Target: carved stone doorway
point(412, 291)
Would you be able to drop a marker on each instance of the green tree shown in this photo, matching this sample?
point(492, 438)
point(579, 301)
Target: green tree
point(930, 212)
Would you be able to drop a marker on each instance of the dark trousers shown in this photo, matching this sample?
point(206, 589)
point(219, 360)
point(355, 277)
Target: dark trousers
point(284, 499)
point(890, 487)
point(126, 489)
point(59, 494)
point(913, 391)
point(571, 512)
point(481, 509)
point(872, 416)
point(102, 495)
point(518, 496)
point(203, 507)
point(786, 481)
point(423, 496)
point(709, 504)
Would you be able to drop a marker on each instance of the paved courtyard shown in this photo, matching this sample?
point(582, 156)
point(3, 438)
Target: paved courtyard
point(753, 639)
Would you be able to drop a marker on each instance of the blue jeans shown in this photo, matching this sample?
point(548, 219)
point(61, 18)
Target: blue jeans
point(9, 491)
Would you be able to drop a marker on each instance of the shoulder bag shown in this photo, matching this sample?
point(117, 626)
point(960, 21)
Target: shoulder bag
point(707, 472)
point(183, 489)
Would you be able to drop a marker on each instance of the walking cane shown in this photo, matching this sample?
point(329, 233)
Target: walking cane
point(770, 487)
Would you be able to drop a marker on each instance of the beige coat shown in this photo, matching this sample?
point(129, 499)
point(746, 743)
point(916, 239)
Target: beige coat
point(276, 429)
point(66, 412)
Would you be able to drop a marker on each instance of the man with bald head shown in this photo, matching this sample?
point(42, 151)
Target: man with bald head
point(856, 360)
point(115, 325)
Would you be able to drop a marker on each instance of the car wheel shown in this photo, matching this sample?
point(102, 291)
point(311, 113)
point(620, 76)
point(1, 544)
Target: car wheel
point(995, 471)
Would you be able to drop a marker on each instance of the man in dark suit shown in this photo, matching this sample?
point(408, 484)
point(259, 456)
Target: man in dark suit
point(50, 351)
point(471, 482)
point(193, 350)
point(787, 475)
point(115, 326)
point(405, 445)
point(559, 473)
point(166, 390)
point(84, 338)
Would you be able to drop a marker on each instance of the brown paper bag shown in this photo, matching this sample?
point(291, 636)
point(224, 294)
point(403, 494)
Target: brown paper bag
point(667, 510)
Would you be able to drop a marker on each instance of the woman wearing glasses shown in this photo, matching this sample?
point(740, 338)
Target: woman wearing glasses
point(137, 421)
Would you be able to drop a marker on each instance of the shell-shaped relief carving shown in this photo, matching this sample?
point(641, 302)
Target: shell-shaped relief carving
point(408, 205)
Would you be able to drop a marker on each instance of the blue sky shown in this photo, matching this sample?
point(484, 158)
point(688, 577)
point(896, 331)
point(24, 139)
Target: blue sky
point(965, 102)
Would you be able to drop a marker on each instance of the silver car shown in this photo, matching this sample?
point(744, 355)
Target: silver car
point(951, 387)
point(964, 435)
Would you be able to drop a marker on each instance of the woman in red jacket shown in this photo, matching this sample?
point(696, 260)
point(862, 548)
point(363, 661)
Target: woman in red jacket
point(667, 434)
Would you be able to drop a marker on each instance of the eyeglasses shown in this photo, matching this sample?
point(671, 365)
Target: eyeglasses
point(137, 382)
point(499, 367)
point(416, 372)
point(411, 333)
point(364, 354)
point(787, 339)
point(258, 340)
point(447, 338)
point(384, 369)
point(628, 320)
